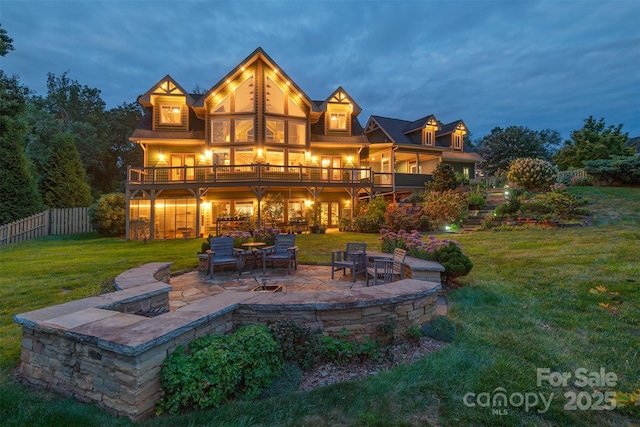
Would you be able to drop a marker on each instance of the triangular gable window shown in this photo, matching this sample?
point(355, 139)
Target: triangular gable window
point(168, 87)
point(223, 106)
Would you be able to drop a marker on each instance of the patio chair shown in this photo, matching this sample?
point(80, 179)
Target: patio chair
point(222, 252)
point(386, 270)
point(353, 258)
point(284, 249)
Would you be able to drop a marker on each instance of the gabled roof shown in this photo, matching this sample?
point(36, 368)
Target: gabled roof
point(165, 86)
point(259, 53)
point(393, 128)
point(451, 127)
point(420, 123)
point(339, 92)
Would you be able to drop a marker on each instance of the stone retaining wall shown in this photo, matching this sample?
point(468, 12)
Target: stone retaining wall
point(96, 350)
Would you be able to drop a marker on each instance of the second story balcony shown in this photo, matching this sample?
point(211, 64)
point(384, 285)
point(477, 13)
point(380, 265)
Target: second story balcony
point(177, 177)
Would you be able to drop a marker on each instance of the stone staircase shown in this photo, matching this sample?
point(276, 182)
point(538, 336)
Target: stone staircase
point(495, 197)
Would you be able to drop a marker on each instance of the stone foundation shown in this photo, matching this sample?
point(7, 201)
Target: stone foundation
point(96, 350)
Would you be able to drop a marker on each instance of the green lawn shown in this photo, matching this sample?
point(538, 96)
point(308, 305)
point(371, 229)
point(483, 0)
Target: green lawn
point(525, 305)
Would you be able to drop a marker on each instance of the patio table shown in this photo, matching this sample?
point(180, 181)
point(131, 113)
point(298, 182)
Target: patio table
point(252, 250)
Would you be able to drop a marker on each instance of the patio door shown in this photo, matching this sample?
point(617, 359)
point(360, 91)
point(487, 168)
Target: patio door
point(329, 213)
point(177, 169)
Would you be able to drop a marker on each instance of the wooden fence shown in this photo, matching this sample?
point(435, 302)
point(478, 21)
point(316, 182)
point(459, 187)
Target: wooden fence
point(49, 222)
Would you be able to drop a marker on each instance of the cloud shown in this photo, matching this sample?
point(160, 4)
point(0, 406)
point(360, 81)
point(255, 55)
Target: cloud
point(542, 64)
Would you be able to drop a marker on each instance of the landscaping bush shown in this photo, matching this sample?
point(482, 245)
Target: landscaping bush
point(218, 368)
point(453, 259)
point(445, 252)
point(445, 208)
point(444, 178)
point(370, 216)
point(266, 235)
point(298, 343)
point(403, 218)
point(532, 174)
point(441, 328)
point(107, 215)
point(618, 170)
point(562, 204)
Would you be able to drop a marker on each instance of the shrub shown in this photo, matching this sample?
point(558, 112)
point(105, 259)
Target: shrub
point(581, 181)
point(453, 259)
point(444, 178)
point(532, 174)
point(298, 343)
point(618, 170)
point(446, 252)
point(403, 218)
point(441, 328)
point(446, 207)
point(563, 204)
point(370, 217)
point(217, 368)
point(108, 216)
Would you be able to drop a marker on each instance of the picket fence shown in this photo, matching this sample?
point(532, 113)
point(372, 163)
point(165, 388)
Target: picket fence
point(49, 222)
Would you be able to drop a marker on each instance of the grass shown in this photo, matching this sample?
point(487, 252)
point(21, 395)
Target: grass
point(525, 305)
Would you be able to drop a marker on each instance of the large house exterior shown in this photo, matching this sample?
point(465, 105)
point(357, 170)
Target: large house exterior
point(210, 159)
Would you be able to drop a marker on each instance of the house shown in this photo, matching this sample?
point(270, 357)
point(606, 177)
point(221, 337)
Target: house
point(210, 159)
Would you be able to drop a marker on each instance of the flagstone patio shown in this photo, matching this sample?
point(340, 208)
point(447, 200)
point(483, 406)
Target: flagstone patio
point(196, 285)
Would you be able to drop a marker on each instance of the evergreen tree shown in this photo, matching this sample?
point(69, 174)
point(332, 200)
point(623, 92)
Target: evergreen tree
point(19, 196)
point(63, 183)
point(595, 141)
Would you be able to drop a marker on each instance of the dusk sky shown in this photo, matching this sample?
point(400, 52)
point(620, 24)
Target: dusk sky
point(540, 64)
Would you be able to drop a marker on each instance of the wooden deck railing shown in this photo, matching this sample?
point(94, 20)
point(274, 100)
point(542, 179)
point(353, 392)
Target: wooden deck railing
point(255, 174)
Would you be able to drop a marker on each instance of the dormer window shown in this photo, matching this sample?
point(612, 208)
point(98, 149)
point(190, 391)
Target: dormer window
point(457, 141)
point(428, 137)
point(338, 121)
point(170, 115)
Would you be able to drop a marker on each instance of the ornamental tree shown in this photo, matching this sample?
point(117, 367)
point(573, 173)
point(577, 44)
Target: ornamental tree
point(532, 174)
point(594, 141)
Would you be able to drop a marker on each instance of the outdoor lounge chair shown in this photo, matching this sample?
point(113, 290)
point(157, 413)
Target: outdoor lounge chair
point(223, 253)
point(386, 270)
point(284, 249)
point(353, 258)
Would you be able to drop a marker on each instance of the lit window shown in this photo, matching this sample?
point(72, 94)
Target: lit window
point(338, 121)
point(457, 141)
point(275, 131)
point(243, 156)
point(296, 158)
point(297, 133)
point(170, 115)
point(274, 97)
point(223, 106)
point(220, 130)
point(244, 96)
point(428, 138)
point(244, 131)
point(294, 109)
point(275, 157)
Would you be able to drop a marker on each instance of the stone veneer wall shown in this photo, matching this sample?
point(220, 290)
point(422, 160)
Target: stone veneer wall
point(97, 351)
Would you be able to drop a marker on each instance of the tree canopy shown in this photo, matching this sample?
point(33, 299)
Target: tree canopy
point(502, 146)
point(595, 141)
